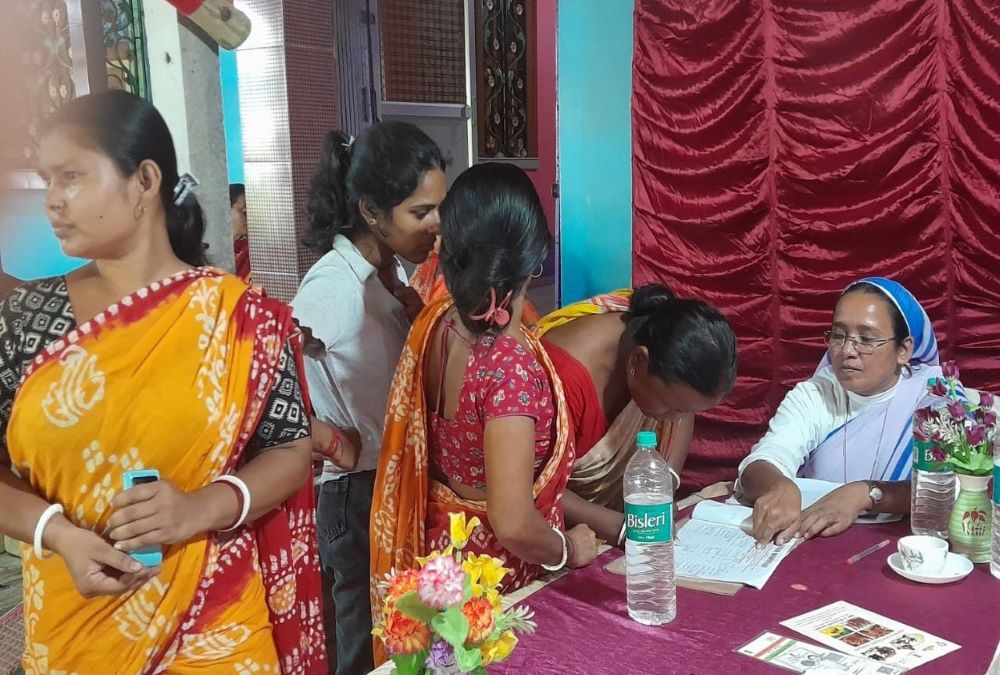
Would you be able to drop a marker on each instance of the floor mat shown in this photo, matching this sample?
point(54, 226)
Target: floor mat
point(11, 639)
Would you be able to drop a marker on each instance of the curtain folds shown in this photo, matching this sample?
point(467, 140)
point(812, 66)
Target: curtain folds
point(784, 148)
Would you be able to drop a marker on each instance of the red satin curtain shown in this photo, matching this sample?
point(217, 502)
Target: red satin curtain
point(784, 148)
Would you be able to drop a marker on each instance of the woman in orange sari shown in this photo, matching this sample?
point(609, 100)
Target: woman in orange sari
point(476, 422)
point(143, 359)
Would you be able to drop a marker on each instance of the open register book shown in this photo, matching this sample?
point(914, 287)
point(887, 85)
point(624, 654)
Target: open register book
point(716, 543)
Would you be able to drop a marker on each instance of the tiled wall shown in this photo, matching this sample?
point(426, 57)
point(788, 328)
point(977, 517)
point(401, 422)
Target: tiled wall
point(287, 103)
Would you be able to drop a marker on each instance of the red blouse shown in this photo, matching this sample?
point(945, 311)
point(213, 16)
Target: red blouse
point(502, 379)
point(586, 415)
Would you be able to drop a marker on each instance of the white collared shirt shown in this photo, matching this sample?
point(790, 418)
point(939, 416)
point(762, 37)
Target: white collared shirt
point(362, 326)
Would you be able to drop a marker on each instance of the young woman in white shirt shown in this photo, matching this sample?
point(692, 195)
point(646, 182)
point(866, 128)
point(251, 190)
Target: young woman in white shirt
point(372, 200)
point(850, 423)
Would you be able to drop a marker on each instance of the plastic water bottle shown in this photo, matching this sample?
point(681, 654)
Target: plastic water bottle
point(649, 535)
point(995, 560)
point(934, 486)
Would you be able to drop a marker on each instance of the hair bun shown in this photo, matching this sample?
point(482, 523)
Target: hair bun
point(648, 298)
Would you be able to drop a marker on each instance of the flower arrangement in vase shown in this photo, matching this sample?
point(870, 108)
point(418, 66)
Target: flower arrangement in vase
point(447, 617)
point(963, 435)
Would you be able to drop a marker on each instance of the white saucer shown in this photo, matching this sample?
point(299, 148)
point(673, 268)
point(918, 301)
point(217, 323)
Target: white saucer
point(956, 567)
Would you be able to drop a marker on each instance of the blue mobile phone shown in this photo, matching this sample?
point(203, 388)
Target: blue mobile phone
point(151, 556)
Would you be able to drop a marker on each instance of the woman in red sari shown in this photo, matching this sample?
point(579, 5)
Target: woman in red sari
point(144, 359)
point(630, 361)
point(476, 419)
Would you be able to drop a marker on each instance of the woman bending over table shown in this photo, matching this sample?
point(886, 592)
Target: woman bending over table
point(850, 423)
point(477, 422)
point(143, 359)
point(631, 361)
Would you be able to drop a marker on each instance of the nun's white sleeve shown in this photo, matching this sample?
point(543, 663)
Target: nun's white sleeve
point(804, 417)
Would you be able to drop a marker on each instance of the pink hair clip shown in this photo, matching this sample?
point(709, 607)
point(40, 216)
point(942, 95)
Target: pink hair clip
point(498, 315)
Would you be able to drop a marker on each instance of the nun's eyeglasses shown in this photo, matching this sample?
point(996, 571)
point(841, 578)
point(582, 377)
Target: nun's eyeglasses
point(863, 344)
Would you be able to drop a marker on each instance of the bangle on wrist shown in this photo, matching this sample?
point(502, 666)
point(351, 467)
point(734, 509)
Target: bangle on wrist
point(243, 496)
point(621, 535)
point(565, 553)
point(677, 478)
point(43, 520)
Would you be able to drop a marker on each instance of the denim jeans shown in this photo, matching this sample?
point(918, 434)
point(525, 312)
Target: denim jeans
point(342, 516)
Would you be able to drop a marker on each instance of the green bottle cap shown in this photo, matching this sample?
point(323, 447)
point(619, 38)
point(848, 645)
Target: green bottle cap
point(646, 439)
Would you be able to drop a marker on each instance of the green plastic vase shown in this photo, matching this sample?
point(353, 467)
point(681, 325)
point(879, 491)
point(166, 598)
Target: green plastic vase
point(971, 524)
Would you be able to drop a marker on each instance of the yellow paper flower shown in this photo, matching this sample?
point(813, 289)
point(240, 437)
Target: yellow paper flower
point(485, 573)
point(500, 649)
point(460, 530)
point(495, 599)
point(435, 554)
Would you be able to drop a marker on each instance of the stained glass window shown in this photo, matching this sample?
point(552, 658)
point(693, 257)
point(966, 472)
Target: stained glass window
point(505, 69)
point(125, 46)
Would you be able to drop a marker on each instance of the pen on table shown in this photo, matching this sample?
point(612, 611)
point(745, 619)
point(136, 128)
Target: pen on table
point(867, 552)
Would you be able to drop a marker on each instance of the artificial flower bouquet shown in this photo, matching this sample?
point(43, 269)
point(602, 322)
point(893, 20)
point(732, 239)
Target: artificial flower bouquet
point(962, 433)
point(447, 617)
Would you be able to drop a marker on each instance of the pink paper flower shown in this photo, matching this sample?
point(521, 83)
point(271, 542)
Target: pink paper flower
point(938, 455)
point(990, 418)
point(441, 584)
point(922, 416)
point(976, 435)
point(986, 399)
point(950, 369)
point(939, 388)
point(957, 410)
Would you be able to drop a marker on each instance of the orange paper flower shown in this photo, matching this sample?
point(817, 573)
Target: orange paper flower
point(403, 635)
point(479, 613)
point(404, 582)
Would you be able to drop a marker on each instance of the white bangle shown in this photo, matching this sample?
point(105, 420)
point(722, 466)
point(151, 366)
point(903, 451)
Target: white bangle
point(43, 520)
point(621, 535)
point(677, 479)
point(565, 553)
point(244, 491)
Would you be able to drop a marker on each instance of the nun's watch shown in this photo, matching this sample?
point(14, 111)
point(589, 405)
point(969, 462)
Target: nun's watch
point(874, 494)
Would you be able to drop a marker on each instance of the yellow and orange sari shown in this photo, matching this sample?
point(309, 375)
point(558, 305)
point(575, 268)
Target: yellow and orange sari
point(173, 377)
point(410, 508)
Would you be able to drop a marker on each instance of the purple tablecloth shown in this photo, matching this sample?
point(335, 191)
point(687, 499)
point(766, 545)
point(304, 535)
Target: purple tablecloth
point(583, 626)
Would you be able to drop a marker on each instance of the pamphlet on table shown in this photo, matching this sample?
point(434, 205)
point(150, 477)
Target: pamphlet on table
point(859, 632)
point(802, 657)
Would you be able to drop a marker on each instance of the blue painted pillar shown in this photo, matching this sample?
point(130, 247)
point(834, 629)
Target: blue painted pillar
point(595, 39)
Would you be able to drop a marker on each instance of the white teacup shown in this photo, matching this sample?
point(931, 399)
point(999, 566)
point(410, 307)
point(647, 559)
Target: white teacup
point(922, 554)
